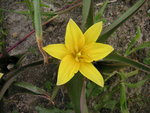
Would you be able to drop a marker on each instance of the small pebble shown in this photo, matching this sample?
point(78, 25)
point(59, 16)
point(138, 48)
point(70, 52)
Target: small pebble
point(10, 66)
point(14, 35)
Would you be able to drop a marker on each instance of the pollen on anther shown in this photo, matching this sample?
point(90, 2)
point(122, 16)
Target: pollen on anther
point(77, 56)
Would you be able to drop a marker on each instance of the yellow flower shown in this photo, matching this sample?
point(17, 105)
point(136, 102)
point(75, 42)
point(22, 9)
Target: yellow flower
point(78, 52)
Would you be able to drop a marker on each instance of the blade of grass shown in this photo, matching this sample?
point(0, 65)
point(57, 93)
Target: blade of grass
point(13, 11)
point(146, 61)
point(123, 99)
point(85, 10)
point(109, 30)
point(133, 42)
point(142, 46)
point(100, 13)
point(136, 85)
point(30, 6)
point(132, 73)
point(119, 58)
point(3, 34)
point(37, 19)
point(34, 89)
point(31, 88)
point(38, 28)
point(87, 13)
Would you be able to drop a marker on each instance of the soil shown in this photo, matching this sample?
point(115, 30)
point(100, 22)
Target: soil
point(18, 25)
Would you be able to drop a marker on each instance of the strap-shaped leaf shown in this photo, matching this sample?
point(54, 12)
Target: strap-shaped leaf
point(85, 10)
point(74, 87)
point(87, 13)
point(37, 18)
point(119, 58)
point(109, 30)
point(31, 88)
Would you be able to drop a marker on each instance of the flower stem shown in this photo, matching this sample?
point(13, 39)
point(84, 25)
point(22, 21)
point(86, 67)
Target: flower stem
point(74, 88)
point(83, 105)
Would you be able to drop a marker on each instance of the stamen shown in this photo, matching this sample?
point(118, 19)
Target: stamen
point(77, 56)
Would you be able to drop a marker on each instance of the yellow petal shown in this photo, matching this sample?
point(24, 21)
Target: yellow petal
point(97, 51)
point(1, 74)
point(56, 50)
point(92, 34)
point(89, 71)
point(74, 38)
point(68, 67)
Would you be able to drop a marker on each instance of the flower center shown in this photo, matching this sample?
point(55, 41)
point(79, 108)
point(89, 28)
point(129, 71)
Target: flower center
point(77, 56)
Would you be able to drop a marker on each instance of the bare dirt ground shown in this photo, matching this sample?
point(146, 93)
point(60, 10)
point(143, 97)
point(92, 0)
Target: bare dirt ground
point(18, 25)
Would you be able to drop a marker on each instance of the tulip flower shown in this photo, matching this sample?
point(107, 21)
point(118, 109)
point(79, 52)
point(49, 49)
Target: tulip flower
point(78, 53)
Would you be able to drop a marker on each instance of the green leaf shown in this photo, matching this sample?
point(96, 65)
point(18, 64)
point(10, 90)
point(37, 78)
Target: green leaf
point(30, 6)
point(100, 13)
point(48, 86)
point(138, 65)
point(55, 92)
point(93, 90)
point(147, 61)
point(45, 5)
point(123, 99)
point(86, 10)
point(21, 58)
point(74, 87)
point(109, 75)
point(142, 46)
point(87, 13)
point(132, 73)
point(136, 85)
point(109, 30)
point(31, 88)
point(109, 67)
point(49, 14)
point(37, 19)
point(133, 41)
point(106, 96)
point(13, 11)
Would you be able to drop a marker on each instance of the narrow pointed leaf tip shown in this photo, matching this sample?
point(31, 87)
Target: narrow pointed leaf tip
point(78, 53)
